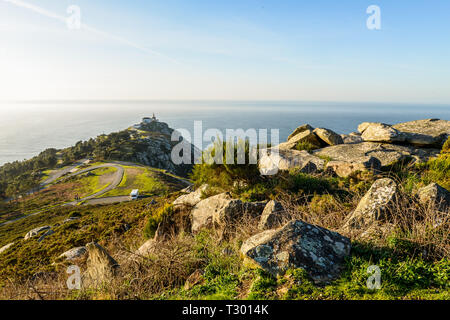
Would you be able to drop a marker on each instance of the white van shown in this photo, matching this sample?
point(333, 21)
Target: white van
point(134, 195)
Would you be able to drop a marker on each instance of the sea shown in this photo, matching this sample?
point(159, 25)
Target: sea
point(27, 128)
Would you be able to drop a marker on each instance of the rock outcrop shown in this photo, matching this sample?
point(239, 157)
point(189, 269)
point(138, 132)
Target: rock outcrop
point(373, 206)
point(35, 232)
point(316, 138)
point(380, 132)
point(290, 159)
point(415, 141)
point(300, 129)
point(387, 154)
point(328, 136)
point(272, 216)
point(435, 195)
point(423, 133)
point(349, 168)
point(74, 253)
point(153, 146)
point(428, 132)
point(101, 266)
point(307, 136)
point(192, 198)
point(222, 209)
point(318, 251)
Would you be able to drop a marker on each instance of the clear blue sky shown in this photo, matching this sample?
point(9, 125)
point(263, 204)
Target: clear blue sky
point(243, 49)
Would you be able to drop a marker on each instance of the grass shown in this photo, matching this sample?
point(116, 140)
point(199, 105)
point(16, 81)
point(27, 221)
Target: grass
point(305, 145)
point(143, 179)
point(93, 181)
point(45, 174)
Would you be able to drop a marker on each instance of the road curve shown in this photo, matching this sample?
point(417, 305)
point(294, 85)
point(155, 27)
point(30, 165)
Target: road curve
point(116, 181)
point(114, 184)
point(58, 174)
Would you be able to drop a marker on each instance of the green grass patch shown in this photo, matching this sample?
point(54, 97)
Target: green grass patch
point(145, 179)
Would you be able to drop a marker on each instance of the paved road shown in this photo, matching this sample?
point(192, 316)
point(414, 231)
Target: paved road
point(118, 176)
point(108, 200)
point(116, 181)
point(90, 199)
point(58, 174)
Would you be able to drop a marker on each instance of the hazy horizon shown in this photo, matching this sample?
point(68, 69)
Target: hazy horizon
point(59, 125)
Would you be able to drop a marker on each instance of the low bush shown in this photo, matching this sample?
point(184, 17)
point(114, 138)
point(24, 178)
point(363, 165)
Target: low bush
point(156, 218)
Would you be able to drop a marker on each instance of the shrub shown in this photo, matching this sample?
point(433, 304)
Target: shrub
point(298, 181)
point(224, 174)
point(155, 219)
point(439, 170)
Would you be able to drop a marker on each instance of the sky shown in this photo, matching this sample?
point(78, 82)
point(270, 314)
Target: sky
point(225, 50)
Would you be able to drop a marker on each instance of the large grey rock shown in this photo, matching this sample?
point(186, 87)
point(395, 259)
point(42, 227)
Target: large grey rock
point(300, 129)
point(435, 195)
point(74, 253)
point(272, 215)
point(328, 136)
point(380, 132)
point(388, 154)
point(220, 210)
point(428, 132)
point(285, 160)
point(4, 248)
point(348, 168)
point(35, 232)
point(318, 251)
point(373, 206)
point(101, 267)
point(191, 199)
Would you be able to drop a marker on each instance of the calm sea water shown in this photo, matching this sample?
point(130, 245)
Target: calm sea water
point(28, 128)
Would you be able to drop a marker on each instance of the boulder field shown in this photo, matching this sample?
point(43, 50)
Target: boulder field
point(374, 147)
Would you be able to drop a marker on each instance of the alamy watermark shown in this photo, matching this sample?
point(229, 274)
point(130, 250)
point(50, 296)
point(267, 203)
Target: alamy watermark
point(374, 281)
point(374, 20)
point(74, 280)
point(73, 21)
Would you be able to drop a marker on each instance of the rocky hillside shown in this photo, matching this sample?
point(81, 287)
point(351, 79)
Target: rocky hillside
point(340, 208)
point(147, 143)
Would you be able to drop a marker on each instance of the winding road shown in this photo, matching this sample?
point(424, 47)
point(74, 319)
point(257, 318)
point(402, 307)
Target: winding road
point(93, 198)
point(118, 176)
point(58, 174)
